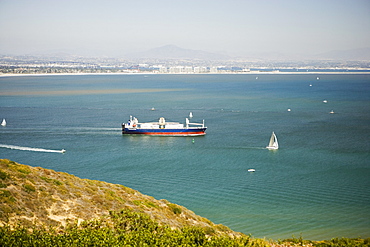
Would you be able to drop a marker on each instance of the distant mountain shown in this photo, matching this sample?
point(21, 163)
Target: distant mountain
point(175, 52)
point(270, 56)
point(354, 54)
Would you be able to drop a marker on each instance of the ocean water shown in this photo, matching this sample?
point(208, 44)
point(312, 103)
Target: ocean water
point(316, 185)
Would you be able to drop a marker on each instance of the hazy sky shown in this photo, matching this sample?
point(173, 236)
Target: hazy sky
point(116, 27)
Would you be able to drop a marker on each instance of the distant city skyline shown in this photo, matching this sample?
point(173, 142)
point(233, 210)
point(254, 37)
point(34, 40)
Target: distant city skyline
point(115, 28)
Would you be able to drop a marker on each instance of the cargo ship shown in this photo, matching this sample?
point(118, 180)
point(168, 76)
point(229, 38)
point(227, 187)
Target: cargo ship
point(163, 128)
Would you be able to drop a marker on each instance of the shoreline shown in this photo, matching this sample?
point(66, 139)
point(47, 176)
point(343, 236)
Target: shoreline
point(227, 73)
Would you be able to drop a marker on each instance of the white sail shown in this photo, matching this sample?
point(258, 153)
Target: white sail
point(3, 123)
point(273, 144)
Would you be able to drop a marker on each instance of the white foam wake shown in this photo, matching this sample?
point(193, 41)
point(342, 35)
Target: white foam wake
point(31, 149)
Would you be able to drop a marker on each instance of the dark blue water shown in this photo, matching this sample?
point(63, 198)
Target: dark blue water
point(317, 184)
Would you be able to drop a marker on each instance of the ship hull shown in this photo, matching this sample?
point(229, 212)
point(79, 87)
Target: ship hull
point(163, 128)
point(166, 132)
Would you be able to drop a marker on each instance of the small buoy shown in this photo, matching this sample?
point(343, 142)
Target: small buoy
point(325, 101)
point(289, 109)
point(317, 78)
point(310, 85)
point(193, 141)
point(153, 109)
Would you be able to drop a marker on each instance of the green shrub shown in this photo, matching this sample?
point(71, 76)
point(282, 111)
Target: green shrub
point(126, 228)
point(48, 180)
point(24, 170)
point(136, 202)
point(344, 242)
point(57, 182)
point(175, 209)
point(5, 193)
point(150, 204)
point(6, 196)
point(29, 188)
point(3, 175)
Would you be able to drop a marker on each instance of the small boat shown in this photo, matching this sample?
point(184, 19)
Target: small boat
point(163, 128)
point(3, 123)
point(325, 101)
point(190, 115)
point(273, 144)
point(332, 112)
point(251, 170)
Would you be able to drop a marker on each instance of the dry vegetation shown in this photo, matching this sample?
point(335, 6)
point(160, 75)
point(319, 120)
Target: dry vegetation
point(41, 206)
point(34, 196)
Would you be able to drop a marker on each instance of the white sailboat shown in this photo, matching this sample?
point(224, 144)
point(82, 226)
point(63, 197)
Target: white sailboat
point(273, 144)
point(190, 114)
point(3, 123)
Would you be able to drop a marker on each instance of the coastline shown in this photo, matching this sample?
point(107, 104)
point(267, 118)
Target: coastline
point(226, 73)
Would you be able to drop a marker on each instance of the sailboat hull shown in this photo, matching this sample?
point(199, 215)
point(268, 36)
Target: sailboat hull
point(272, 148)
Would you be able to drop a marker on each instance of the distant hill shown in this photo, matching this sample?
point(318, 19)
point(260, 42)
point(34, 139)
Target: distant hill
point(175, 52)
point(354, 54)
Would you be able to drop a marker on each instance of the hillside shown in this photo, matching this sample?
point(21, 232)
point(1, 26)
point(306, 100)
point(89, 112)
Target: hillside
point(36, 196)
point(44, 201)
point(42, 207)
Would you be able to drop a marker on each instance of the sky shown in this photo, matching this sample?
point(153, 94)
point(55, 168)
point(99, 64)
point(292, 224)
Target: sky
point(118, 27)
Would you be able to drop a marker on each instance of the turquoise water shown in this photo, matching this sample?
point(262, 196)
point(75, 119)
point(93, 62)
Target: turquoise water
point(317, 184)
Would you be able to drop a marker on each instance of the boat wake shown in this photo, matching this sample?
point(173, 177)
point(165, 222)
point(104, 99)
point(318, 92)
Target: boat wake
point(253, 148)
point(241, 147)
point(32, 149)
point(92, 130)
